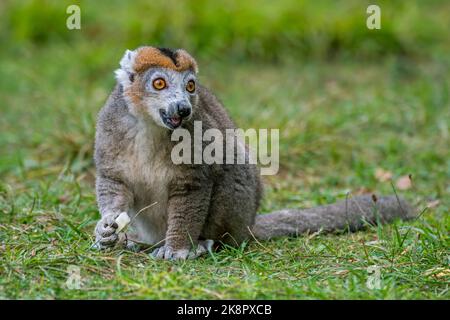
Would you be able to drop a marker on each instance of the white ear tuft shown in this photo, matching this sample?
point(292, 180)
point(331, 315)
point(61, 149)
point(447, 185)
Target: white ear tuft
point(126, 72)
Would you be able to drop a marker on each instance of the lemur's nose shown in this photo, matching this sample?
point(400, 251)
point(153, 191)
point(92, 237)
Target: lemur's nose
point(183, 110)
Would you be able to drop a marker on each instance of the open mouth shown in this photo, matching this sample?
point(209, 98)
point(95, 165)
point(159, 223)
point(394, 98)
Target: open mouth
point(172, 122)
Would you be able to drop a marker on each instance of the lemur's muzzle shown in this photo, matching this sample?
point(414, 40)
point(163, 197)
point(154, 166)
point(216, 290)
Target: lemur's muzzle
point(175, 114)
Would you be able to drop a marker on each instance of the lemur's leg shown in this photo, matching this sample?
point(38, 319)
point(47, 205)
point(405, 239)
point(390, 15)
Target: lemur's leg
point(187, 210)
point(113, 198)
point(233, 206)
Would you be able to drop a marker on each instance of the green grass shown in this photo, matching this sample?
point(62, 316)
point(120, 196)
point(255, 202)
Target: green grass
point(339, 121)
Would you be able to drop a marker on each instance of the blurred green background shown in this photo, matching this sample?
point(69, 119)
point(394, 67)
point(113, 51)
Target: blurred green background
point(241, 30)
point(347, 100)
point(48, 71)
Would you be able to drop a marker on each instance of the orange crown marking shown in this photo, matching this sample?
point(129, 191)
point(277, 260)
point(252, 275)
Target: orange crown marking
point(153, 57)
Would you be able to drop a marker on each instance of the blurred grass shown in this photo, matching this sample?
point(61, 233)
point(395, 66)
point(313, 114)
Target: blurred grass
point(347, 100)
point(252, 29)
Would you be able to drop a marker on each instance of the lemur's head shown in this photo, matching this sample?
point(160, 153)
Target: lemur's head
point(159, 82)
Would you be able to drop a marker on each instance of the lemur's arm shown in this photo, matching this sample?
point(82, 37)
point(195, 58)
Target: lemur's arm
point(187, 210)
point(113, 197)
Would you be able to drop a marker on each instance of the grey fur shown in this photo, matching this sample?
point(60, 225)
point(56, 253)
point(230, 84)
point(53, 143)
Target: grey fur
point(194, 202)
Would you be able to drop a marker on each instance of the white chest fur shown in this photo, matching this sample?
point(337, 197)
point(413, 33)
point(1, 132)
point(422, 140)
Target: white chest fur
point(148, 172)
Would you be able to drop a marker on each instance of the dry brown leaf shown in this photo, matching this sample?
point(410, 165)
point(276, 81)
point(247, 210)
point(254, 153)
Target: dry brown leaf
point(438, 272)
point(442, 274)
point(383, 175)
point(404, 183)
point(362, 190)
point(433, 204)
point(341, 272)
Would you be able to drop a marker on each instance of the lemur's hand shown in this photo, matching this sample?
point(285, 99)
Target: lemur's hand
point(105, 232)
point(168, 253)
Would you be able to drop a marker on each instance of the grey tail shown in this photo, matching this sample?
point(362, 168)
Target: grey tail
point(351, 214)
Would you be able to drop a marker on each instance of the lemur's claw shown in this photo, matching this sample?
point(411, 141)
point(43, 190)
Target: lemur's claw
point(168, 253)
point(203, 247)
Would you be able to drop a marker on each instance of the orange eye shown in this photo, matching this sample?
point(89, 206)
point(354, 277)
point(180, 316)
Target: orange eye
point(159, 84)
point(190, 87)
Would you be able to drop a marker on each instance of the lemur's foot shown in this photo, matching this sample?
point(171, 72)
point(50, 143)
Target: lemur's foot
point(132, 246)
point(168, 253)
point(105, 232)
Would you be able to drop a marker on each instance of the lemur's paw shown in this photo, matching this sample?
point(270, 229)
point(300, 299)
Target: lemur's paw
point(130, 245)
point(105, 232)
point(168, 253)
point(203, 246)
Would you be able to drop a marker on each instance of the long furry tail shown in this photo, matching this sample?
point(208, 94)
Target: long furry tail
point(353, 213)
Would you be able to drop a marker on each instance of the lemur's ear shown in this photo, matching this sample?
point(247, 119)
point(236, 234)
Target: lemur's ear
point(125, 74)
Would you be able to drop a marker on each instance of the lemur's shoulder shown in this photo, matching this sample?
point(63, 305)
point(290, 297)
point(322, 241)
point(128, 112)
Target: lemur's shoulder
point(113, 123)
point(114, 107)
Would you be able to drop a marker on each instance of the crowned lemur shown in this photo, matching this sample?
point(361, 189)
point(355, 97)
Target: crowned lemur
point(157, 92)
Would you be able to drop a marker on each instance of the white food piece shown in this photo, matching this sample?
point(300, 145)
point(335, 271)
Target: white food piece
point(122, 221)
